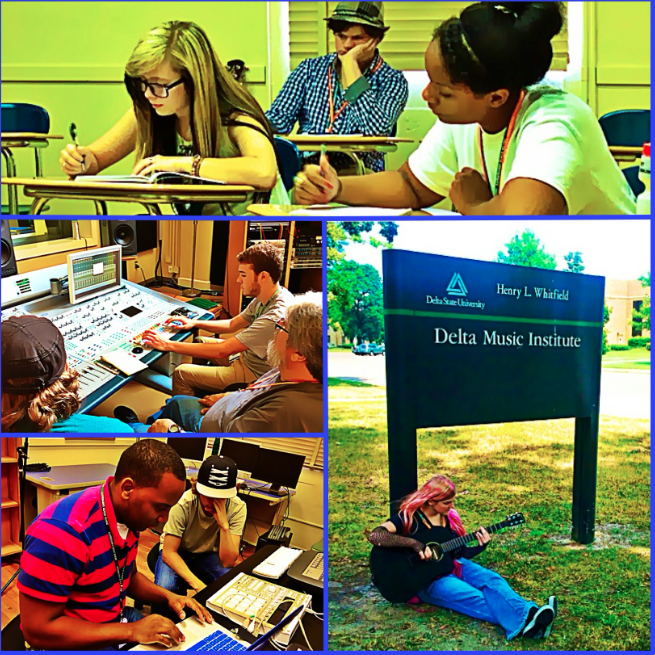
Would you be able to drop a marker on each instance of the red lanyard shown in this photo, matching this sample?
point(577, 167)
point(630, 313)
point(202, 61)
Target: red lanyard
point(334, 116)
point(503, 150)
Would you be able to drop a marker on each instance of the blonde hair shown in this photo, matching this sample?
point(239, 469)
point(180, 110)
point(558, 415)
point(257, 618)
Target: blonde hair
point(215, 96)
point(305, 326)
point(43, 409)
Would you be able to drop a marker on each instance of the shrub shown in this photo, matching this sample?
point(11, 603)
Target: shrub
point(639, 342)
point(619, 346)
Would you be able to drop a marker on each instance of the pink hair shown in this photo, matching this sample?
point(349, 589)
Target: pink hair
point(437, 488)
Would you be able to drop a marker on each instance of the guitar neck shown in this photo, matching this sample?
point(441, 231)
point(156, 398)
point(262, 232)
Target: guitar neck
point(453, 544)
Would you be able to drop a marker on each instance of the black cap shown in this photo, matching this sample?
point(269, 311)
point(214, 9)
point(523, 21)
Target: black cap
point(33, 354)
point(217, 477)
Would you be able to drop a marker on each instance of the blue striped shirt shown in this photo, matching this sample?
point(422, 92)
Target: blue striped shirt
point(373, 110)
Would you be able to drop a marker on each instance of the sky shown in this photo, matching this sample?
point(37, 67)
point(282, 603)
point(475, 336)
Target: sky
point(617, 249)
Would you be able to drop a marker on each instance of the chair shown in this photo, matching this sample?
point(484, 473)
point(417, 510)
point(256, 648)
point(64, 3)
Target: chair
point(290, 160)
point(152, 558)
point(628, 127)
point(23, 118)
point(12, 635)
point(632, 175)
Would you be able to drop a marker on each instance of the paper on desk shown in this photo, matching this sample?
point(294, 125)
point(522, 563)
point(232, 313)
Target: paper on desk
point(326, 210)
point(124, 362)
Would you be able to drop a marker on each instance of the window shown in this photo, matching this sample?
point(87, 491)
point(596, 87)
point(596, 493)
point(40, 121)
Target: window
point(636, 307)
point(24, 231)
point(310, 447)
point(403, 48)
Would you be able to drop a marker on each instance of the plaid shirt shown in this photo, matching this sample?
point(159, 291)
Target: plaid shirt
point(374, 103)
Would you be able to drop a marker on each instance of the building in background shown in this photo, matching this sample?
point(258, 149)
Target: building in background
point(622, 297)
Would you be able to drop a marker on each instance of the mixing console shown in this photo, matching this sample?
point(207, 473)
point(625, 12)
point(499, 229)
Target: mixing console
point(105, 323)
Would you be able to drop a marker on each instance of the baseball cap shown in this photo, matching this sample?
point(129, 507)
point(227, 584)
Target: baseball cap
point(217, 477)
point(360, 13)
point(33, 354)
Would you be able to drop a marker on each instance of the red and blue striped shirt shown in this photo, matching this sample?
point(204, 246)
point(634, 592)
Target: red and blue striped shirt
point(67, 557)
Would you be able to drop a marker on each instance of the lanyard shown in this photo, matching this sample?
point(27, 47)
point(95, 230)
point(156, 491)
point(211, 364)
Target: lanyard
point(332, 92)
point(503, 151)
point(261, 310)
point(120, 572)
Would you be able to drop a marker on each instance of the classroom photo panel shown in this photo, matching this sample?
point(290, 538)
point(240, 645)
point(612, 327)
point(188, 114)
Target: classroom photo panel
point(152, 543)
point(489, 431)
point(358, 108)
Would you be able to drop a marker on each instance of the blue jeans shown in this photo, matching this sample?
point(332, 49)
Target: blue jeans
point(206, 566)
point(184, 410)
point(481, 594)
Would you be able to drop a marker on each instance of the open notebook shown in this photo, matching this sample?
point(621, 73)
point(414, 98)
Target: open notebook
point(161, 177)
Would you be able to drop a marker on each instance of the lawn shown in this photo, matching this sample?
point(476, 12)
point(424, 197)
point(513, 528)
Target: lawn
point(635, 358)
point(603, 588)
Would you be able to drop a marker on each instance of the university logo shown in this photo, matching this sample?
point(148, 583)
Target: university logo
point(456, 286)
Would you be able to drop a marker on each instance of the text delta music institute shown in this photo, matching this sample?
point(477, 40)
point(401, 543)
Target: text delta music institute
point(495, 338)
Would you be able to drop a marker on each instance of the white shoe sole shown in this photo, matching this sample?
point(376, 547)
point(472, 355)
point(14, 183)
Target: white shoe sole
point(552, 601)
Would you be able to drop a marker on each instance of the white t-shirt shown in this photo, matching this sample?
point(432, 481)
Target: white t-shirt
point(557, 141)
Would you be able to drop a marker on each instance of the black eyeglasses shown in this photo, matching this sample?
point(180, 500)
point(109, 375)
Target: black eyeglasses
point(159, 90)
point(277, 325)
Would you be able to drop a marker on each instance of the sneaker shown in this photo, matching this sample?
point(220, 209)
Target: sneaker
point(541, 620)
point(126, 415)
point(552, 601)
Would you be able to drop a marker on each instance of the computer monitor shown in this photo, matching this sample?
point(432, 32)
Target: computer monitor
point(93, 272)
point(243, 454)
point(279, 468)
point(189, 448)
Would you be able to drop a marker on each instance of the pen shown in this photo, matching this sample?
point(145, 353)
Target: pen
point(73, 133)
point(323, 154)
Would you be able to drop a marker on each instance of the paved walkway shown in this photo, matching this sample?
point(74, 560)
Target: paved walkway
point(624, 393)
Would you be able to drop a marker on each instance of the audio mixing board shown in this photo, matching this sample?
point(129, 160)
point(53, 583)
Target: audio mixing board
point(112, 321)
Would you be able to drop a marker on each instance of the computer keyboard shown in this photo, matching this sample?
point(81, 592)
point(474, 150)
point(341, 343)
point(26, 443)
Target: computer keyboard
point(278, 562)
point(254, 604)
point(315, 568)
point(218, 641)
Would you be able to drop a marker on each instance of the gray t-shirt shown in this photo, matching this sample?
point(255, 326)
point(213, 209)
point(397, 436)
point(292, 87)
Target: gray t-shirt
point(262, 319)
point(200, 533)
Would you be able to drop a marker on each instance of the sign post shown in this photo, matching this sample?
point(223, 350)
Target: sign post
point(469, 343)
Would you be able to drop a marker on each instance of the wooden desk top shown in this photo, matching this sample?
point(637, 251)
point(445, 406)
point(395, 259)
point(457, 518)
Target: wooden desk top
point(73, 476)
point(626, 151)
point(28, 135)
point(345, 139)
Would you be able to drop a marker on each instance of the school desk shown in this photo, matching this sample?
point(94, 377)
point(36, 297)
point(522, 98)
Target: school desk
point(148, 195)
point(23, 140)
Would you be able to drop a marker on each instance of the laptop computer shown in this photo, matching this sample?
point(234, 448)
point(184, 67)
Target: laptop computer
point(215, 637)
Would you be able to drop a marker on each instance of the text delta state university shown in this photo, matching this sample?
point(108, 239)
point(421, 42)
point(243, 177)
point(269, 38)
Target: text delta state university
point(513, 339)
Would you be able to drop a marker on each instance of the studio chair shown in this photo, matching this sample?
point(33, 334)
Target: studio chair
point(628, 127)
point(12, 636)
point(290, 160)
point(22, 118)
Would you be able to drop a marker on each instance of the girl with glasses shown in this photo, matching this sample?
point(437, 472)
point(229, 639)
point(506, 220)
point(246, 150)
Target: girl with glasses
point(189, 115)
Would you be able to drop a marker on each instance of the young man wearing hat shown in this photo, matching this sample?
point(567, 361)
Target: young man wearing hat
point(351, 92)
point(200, 541)
point(39, 391)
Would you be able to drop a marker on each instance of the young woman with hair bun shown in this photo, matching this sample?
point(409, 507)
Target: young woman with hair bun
point(469, 589)
point(505, 143)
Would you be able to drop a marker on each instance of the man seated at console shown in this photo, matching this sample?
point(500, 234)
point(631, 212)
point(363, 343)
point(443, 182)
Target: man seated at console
point(242, 358)
point(200, 541)
point(289, 398)
point(39, 390)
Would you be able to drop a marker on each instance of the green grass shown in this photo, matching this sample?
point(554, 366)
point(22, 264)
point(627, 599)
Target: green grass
point(603, 588)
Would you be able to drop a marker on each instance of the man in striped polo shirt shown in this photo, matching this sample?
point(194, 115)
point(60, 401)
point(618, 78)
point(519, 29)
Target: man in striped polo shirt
point(79, 559)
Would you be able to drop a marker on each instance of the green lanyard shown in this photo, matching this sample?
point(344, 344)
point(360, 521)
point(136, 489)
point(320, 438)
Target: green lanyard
point(262, 308)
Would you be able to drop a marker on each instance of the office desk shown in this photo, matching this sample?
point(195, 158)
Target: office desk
point(148, 195)
point(313, 626)
point(23, 140)
point(340, 211)
point(264, 510)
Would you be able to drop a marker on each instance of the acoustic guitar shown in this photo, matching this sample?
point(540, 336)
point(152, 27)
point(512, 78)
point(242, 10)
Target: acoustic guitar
point(400, 573)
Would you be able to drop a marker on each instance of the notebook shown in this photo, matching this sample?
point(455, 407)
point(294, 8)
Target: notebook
point(161, 177)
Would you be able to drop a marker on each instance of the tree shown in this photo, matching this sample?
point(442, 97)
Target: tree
point(355, 300)
point(641, 317)
point(340, 233)
point(574, 262)
point(606, 318)
point(526, 250)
